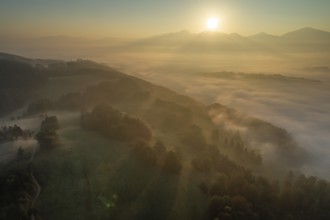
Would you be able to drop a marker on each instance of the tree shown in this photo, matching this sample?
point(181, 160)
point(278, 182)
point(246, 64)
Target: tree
point(171, 163)
point(113, 124)
point(20, 153)
point(47, 137)
point(202, 164)
point(219, 207)
point(50, 124)
point(194, 138)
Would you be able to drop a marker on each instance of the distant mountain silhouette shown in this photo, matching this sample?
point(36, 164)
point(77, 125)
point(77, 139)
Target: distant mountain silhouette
point(167, 40)
point(308, 34)
point(21, 59)
point(184, 34)
point(264, 37)
point(305, 39)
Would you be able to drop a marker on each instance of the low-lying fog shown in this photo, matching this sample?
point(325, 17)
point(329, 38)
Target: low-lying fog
point(297, 101)
point(8, 150)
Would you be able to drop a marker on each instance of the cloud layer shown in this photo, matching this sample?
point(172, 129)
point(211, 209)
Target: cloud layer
point(299, 106)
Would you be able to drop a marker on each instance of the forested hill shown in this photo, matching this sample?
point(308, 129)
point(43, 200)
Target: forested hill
point(17, 82)
point(30, 61)
point(119, 147)
point(83, 84)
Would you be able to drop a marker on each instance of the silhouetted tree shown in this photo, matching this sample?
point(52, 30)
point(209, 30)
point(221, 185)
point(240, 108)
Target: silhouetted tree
point(47, 137)
point(50, 124)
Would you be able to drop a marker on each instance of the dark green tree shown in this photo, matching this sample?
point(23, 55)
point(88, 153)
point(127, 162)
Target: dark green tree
point(171, 163)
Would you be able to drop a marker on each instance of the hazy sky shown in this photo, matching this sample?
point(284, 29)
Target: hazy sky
point(131, 18)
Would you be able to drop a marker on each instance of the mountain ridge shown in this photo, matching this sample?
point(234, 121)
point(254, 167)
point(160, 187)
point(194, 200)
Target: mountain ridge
point(301, 40)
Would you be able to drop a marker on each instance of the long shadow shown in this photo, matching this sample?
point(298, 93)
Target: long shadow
point(143, 191)
point(195, 201)
point(129, 178)
point(158, 200)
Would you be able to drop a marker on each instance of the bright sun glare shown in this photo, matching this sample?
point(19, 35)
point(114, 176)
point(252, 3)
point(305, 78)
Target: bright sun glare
point(212, 24)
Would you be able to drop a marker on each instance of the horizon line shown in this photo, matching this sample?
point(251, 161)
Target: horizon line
point(81, 37)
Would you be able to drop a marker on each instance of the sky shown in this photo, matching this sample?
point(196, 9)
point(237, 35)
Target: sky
point(140, 18)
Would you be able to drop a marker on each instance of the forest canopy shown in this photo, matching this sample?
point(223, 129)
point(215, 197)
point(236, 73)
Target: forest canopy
point(114, 124)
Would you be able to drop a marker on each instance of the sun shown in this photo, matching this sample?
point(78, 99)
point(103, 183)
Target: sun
point(212, 24)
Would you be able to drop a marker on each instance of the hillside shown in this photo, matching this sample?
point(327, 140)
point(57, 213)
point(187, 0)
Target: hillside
point(113, 146)
point(18, 81)
point(162, 108)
